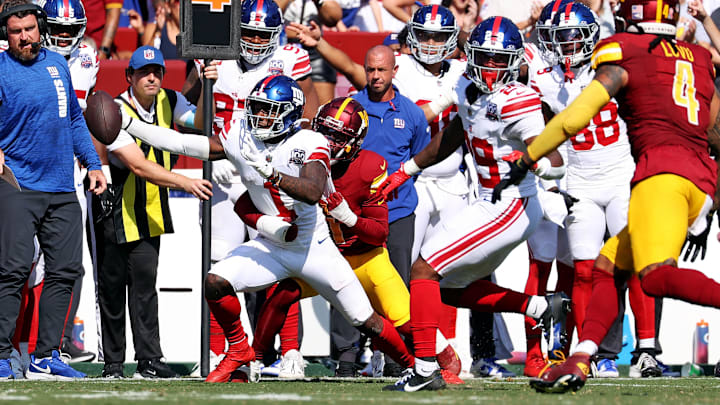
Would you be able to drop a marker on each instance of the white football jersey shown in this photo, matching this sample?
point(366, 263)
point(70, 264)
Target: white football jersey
point(236, 78)
point(416, 83)
point(495, 125)
point(84, 66)
point(536, 63)
point(287, 157)
point(600, 153)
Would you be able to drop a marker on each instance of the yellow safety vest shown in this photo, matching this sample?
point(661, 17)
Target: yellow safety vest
point(140, 208)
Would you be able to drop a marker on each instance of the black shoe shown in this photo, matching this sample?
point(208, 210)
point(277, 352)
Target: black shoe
point(154, 369)
point(346, 369)
point(553, 320)
point(72, 354)
point(411, 382)
point(392, 369)
point(113, 370)
point(717, 369)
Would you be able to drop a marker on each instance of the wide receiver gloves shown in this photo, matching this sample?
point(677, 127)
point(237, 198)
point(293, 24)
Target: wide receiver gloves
point(262, 166)
point(339, 209)
point(395, 180)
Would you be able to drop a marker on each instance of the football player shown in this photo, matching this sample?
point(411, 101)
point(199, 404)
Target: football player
point(358, 219)
point(261, 23)
point(285, 169)
point(496, 115)
point(665, 199)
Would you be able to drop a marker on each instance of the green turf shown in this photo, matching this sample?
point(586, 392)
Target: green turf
point(362, 391)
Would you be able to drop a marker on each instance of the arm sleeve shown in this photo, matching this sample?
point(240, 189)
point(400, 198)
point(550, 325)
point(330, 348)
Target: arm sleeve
point(372, 223)
point(570, 121)
point(247, 211)
point(197, 146)
point(83, 146)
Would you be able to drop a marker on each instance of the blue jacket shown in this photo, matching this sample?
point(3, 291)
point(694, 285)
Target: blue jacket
point(41, 123)
point(398, 131)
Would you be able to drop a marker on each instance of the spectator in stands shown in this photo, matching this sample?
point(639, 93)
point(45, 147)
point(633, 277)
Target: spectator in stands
point(162, 33)
point(350, 9)
point(128, 254)
point(103, 17)
point(328, 13)
point(523, 13)
point(41, 130)
point(144, 10)
point(142, 22)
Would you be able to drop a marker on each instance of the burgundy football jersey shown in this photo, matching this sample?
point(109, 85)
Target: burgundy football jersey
point(359, 186)
point(666, 105)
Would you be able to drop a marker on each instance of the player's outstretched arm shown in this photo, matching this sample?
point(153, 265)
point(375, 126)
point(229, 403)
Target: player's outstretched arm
point(440, 147)
point(197, 146)
point(310, 36)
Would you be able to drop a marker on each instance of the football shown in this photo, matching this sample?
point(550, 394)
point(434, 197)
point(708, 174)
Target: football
point(103, 117)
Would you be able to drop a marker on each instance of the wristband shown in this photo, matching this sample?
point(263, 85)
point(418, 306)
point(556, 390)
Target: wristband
point(440, 104)
point(410, 167)
point(276, 178)
point(106, 51)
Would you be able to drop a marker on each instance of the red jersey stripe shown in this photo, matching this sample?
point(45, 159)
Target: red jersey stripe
point(509, 108)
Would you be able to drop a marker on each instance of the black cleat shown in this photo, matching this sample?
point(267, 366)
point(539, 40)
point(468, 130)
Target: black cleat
point(411, 382)
point(113, 370)
point(552, 321)
point(154, 369)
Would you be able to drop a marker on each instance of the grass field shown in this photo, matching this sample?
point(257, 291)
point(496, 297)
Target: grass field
point(324, 390)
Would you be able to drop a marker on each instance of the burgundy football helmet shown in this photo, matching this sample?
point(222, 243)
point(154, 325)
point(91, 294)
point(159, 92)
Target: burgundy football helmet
point(652, 16)
point(344, 122)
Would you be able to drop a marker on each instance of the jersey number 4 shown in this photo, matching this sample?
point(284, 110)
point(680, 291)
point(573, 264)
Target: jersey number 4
point(684, 90)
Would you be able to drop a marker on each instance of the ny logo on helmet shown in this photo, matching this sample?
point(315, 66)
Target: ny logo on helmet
point(433, 21)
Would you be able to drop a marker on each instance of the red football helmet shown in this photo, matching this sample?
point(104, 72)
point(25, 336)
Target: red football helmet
point(344, 122)
point(652, 16)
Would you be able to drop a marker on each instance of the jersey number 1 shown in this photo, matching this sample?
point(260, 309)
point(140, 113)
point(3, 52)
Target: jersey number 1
point(684, 90)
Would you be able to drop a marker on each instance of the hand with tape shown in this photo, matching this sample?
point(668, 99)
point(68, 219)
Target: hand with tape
point(339, 209)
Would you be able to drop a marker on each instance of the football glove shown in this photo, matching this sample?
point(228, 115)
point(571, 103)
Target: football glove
point(339, 209)
point(395, 180)
point(261, 165)
point(697, 243)
point(569, 200)
point(518, 170)
point(222, 171)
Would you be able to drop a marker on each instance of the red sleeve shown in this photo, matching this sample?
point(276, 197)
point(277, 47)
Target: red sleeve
point(372, 224)
point(247, 211)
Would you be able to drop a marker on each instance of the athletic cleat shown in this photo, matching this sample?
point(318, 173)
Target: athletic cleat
point(374, 367)
point(411, 382)
point(254, 371)
point(17, 364)
point(644, 366)
point(155, 368)
point(489, 368)
point(392, 369)
point(448, 360)
point(570, 375)
point(451, 378)
point(113, 370)
point(51, 368)
point(292, 366)
point(272, 370)
point(237, 355)
point(535, 366)
point(73, 354)
point(667, 371)
point(6, 371)
point(552, 321)
point(346, 369)
point(605, 368)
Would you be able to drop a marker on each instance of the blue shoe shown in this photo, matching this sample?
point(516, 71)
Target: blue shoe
point(666, 370)
point(489, 367)
point(606, 368)
point(6, 372)
point(51, 368)
point(272, 370)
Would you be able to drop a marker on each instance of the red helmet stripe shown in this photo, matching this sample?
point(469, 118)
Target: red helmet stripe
point(258, 10)
point(568, 8)
point(556, 6)
point(66, 8)
point(496, 27)
point(267, 79)
point(342, 107)
point(434, 12)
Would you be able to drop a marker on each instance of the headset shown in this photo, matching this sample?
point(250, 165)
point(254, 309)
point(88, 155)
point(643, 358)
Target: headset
point(35, 9)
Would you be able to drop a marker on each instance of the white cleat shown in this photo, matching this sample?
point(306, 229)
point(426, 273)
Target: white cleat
point(292, 366)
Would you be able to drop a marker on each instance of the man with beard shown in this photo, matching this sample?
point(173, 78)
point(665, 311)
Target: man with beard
point(42, 129)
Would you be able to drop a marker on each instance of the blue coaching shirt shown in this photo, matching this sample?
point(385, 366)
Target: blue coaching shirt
point(398, 131)
point(41, 123)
